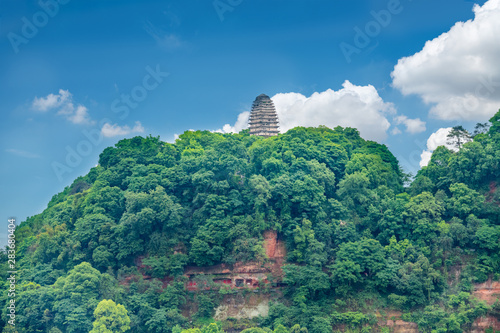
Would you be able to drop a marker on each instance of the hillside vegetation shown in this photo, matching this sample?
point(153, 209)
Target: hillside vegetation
point(360, 239)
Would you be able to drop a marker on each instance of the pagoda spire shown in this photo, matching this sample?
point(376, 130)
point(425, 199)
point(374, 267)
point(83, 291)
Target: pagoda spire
point(263, 118)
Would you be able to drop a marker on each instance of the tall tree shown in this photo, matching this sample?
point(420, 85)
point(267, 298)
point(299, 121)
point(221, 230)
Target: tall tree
point(458, 136)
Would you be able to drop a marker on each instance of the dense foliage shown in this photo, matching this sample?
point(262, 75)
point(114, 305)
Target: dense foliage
point(357, 240)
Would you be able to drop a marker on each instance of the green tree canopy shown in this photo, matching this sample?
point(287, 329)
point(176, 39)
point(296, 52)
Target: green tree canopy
point(110, 318)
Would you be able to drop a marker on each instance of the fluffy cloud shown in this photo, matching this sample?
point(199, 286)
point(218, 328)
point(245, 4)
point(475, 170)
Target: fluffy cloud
point(80, 115)
point(51, 101)
point(412, 125)
point(63, 102)
point(240, 124)
point(108, 130)
point(458, 73)
point(435, 140)
point(352, 106)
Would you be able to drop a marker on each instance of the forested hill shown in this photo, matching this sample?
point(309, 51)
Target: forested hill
point(357, 241)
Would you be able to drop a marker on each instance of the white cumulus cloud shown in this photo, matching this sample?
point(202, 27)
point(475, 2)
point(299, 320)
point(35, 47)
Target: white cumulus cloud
point(110, 130)
point(436, 139)
point(51, 101)
point(63, 102)
point(355, 106)
point(458, 73)
point(412, 125)
point(80, 115)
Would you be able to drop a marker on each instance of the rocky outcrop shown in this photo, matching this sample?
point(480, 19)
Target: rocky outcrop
point(401, 326)
point(483, 323)
point(392, 320)
point(250, 274)
point(239, 307)
point(276, 252)
point(489, 292)
point(275, 249)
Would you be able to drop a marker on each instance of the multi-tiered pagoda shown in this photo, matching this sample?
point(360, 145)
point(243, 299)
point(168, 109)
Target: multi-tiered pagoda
point(263, 118)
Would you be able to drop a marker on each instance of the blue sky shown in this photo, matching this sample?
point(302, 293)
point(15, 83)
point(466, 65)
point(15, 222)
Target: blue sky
point(67, 70)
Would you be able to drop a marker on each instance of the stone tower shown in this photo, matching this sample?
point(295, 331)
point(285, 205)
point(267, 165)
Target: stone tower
point(263, 118)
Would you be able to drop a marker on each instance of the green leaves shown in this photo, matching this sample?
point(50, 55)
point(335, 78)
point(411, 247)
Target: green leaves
point(345, 272)
point(464, 201)
point(110, 318)
point(305, 282)
point(488, 238)
point(459, 313)
point(422, 215)
point(357, 260)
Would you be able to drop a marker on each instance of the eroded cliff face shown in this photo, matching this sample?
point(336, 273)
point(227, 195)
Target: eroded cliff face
point(247, 280)
point(392, 320)
point(401, 326)
point(275, 249)
point(489, 292)
point(240, 307)
point(483, 323)
point(244, 275)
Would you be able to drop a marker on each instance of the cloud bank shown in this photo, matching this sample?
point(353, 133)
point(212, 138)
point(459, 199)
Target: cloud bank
point(458, 73)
